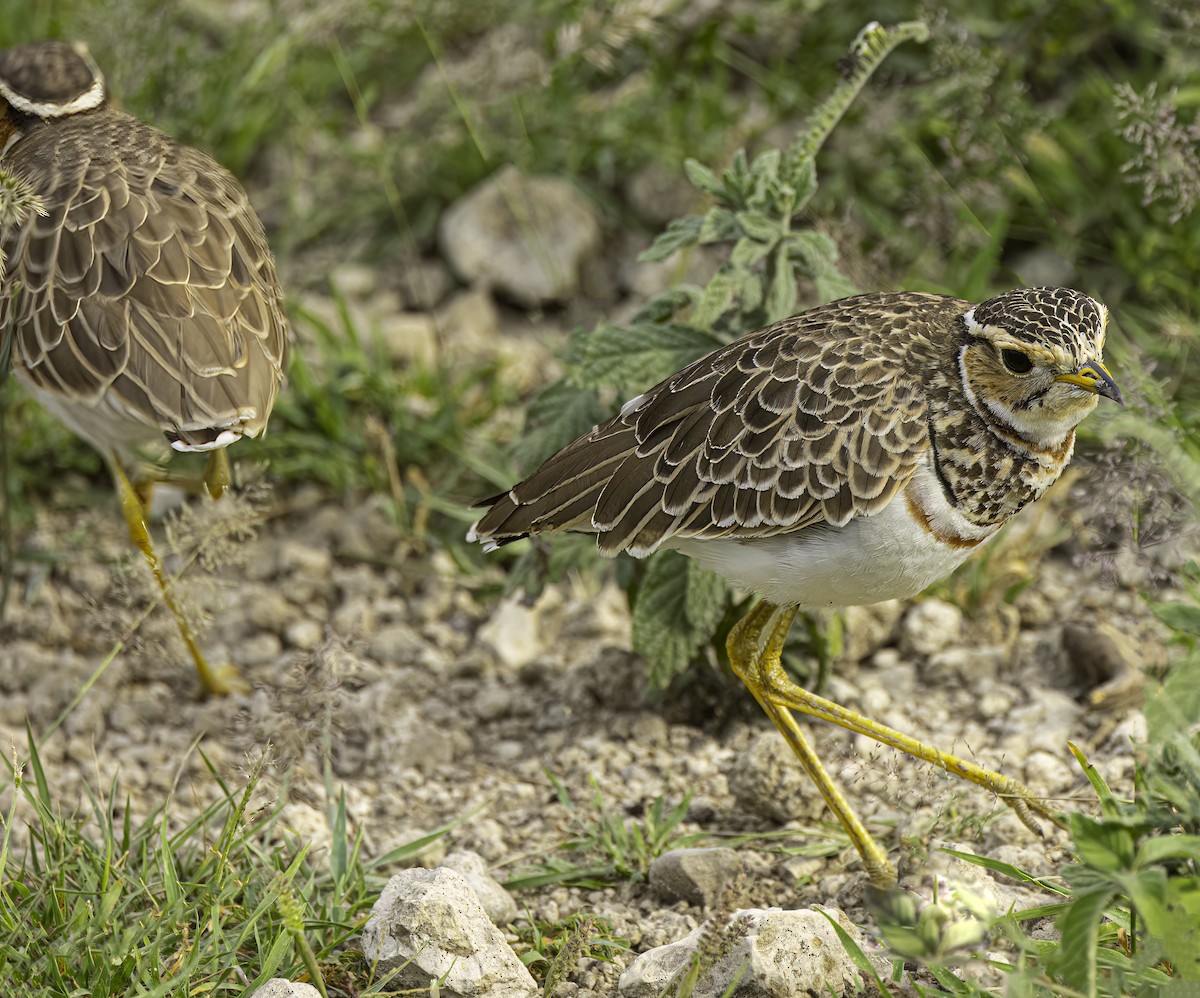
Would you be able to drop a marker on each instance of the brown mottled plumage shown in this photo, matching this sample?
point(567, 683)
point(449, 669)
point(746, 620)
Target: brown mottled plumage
point(855, 453)
point(144, 301)
point(142, 295)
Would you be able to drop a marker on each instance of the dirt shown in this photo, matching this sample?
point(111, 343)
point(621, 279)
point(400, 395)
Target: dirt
point(432, 704)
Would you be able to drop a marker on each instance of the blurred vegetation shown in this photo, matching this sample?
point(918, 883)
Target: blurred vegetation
point(1024, 143)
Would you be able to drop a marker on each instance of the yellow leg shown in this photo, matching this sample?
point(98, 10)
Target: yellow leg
point(759, 667)
point(746, 651)
point(217, 474)
point(216, 681)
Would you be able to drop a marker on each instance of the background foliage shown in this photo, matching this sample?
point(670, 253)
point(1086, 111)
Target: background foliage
point(1023, 143)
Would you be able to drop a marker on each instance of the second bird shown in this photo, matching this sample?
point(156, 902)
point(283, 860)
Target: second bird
point(139, 286)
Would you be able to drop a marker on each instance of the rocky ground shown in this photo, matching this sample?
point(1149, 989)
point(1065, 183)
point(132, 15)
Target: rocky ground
point(435, 706)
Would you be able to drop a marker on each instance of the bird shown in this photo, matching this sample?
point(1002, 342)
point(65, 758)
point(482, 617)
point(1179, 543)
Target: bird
point(141, 293)
point(854, 453)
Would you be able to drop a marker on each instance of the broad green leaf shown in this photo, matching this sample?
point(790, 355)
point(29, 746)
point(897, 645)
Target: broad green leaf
point(749, 290)
point(1075, 960)
point(1100, 845)
point(1181, 617)
point(680, 232)
point(1164, 847)
point(704, 178)
point(817, 250)
point(781, 299)
point(833, 284)
point(718, 226)
point(737, 178)
point(1147, 892)
point(642, 354)
point(1181, 939)
point(748, 252)
point(760, 227)
point(674, 613)
point(717, 298)
point(765, 170)
point(705, 598)
point(559, 414)
point(1172, 707)
point(662, 307)
point(801, 176)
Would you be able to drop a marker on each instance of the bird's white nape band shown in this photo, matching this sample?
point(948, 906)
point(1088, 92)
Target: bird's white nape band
point(90, 99)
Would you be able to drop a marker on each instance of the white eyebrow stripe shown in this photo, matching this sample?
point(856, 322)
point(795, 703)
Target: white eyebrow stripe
point(91, 98)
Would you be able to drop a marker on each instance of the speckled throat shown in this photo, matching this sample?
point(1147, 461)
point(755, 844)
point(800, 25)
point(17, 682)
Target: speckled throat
point(988, 472)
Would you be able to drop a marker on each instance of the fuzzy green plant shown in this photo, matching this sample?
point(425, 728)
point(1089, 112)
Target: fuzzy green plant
point(773, 254)
point(1125, 907)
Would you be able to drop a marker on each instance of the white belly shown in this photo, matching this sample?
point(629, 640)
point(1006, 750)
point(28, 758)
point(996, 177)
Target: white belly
point(886, 556)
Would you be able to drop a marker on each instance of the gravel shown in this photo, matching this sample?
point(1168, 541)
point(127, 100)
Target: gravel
point(438, 705)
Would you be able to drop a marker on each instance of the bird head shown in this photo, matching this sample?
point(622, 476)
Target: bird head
point(1033, 358)
point(44, 81)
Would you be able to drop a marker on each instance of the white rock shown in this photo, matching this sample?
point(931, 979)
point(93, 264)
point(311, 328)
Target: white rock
point(496, 901)
point(304, 634)
point(512, 633)
point(697, 876)
point(431, 923)
point(931, 626)
point(410, 337)
point(281, 987)
point(767, 780)
point(787, 953)
point(869, 628)
point(354, 280)
point(469, 324)
point(524, 236)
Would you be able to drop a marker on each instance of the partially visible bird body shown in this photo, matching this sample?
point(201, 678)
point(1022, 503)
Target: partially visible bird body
point(890, 555)
point(855, 453)
point(147, 309)
point(142, 297)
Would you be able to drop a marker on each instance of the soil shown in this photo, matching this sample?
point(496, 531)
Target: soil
point(435, 706)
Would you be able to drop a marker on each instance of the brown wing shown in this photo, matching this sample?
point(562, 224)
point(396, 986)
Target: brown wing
point(148, 281)
point(817, 419)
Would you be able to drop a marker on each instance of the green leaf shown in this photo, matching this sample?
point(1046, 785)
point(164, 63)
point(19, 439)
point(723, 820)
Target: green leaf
point(1183, 618)
point(717, 298)
point(1166, 847)
point(781, 299)
point(817, 250)
point(1100, 845)
point(1172, 707)
point(559, 414)
point(680, 232)
point(833, 285)
point(676, 611)
point(801, 176)
point(760, 227)
point(1181, 937)
point(663, 306)
point(764, 172)
point(719, 225)
point(642, 354)
point(704, 178)
point(1075, 960)
point(749, 291)
point(748, 252)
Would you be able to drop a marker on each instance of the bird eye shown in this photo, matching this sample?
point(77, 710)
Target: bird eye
point(1016, 361)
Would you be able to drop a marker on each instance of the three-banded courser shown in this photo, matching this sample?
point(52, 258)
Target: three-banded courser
point(141, 299)
point(852, 454)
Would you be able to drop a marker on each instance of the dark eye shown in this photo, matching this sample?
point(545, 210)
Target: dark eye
point(1016, 361)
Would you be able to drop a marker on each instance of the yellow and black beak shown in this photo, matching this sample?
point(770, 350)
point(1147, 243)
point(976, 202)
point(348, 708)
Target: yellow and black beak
point(1094, 377)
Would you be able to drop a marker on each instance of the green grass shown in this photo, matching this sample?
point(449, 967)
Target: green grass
point(1021, 140)
point(104, 903)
